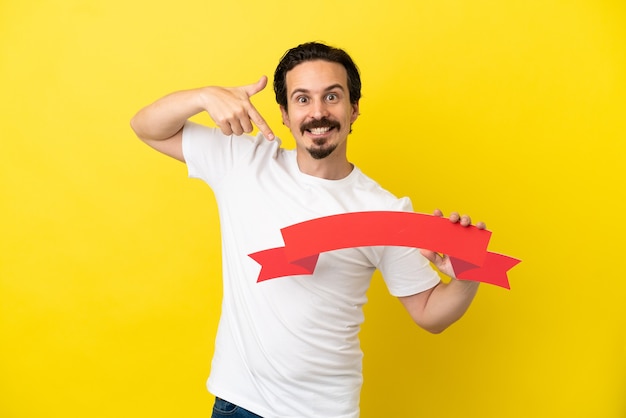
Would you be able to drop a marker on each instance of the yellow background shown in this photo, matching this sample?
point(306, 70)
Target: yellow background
point(511, 111)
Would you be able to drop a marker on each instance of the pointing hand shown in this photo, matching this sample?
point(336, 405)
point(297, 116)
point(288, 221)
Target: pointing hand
point(233, 112)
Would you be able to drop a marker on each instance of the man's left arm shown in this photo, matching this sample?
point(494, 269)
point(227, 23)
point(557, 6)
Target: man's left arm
point(441, 306)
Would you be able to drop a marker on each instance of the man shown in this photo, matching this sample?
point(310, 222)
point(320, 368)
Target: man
point(289, 347)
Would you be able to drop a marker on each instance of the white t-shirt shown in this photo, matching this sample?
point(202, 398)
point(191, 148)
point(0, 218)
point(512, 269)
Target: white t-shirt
point(289, 347)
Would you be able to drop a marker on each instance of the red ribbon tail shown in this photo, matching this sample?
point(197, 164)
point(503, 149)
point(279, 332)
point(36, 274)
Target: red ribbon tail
point(493, 270)
point(274, 264)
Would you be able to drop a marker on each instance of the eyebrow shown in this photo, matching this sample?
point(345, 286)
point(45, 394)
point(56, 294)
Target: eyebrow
point(327, 89)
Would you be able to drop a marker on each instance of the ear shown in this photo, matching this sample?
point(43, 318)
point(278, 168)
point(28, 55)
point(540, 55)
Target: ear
point(285, 115)
point(355, 112)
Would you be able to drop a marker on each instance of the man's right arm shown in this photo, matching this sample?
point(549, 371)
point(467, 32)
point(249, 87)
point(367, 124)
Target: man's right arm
point(161, 123)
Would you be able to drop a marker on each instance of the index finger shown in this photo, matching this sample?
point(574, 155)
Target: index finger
point(258, 120)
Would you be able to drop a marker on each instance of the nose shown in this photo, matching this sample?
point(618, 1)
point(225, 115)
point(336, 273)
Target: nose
point(319, 109)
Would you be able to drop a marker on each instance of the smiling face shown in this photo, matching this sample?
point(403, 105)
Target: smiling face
point(319, 113)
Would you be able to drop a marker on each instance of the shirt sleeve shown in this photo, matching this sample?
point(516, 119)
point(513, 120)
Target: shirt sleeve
point(405, 270)
point(209, 154)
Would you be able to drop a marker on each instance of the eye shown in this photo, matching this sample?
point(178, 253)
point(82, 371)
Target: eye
point(302, 99)
point(331, 97)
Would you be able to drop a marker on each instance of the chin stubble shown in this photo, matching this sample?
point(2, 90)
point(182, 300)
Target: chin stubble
point(321, 153)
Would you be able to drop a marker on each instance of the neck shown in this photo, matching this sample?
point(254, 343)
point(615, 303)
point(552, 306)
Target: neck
point(333, 167)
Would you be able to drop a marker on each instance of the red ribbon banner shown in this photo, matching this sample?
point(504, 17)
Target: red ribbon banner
point(466, 246)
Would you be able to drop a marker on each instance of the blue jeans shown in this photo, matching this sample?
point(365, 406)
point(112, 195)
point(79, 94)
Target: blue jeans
point(223, 408)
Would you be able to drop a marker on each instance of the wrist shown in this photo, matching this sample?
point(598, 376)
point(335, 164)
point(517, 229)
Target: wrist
point(203, 97)
point(468, 284)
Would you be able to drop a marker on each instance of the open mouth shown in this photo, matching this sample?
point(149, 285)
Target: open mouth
point(319, 127)
point(319, 131)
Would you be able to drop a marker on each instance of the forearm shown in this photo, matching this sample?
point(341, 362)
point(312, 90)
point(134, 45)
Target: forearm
point(438, 308)
point(448, 302)
point(165, 117)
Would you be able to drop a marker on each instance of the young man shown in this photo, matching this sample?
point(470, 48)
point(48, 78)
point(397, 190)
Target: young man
point(289, 347)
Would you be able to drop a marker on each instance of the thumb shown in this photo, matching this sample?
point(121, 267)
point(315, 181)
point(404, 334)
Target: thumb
point(254, 88)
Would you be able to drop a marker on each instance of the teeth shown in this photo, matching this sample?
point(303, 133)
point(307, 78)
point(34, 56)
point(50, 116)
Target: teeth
point(319, 131)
